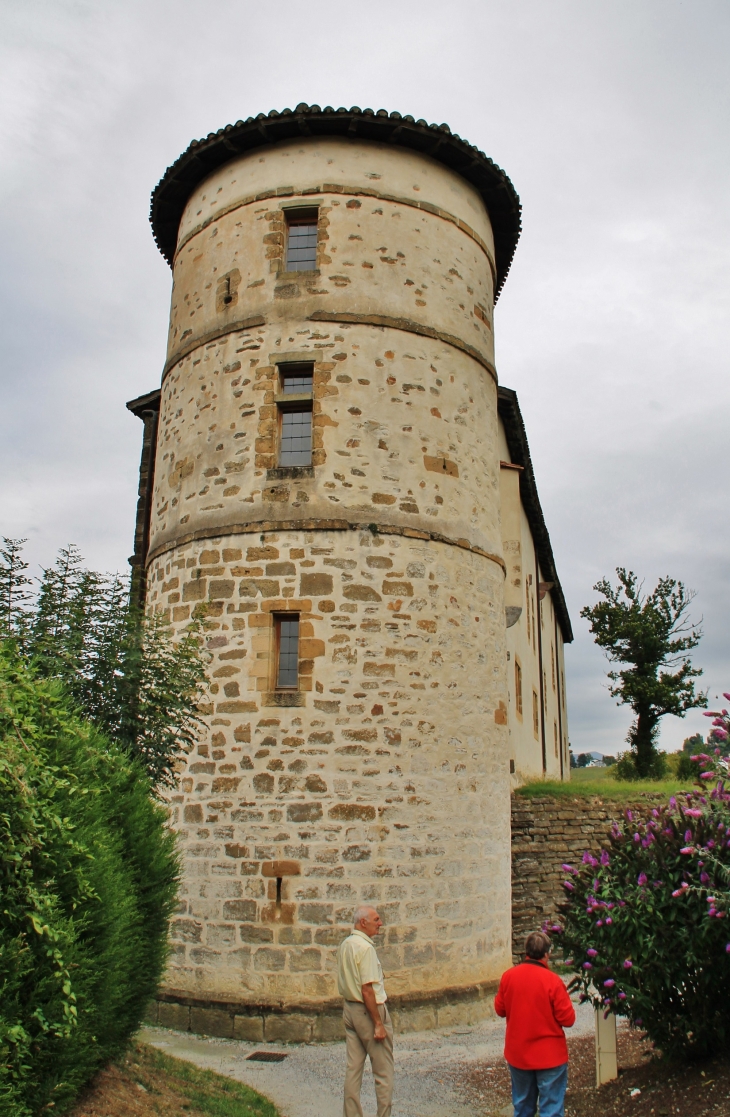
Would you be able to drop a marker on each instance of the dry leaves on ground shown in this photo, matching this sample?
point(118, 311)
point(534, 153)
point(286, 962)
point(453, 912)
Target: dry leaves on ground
point(664, 1090)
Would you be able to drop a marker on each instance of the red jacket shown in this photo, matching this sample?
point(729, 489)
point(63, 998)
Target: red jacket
point(537, 1007)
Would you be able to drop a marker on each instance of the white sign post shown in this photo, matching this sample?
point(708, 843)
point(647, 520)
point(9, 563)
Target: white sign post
point(606, 1064)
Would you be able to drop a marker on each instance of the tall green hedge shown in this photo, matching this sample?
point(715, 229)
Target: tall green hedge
point(88, 876)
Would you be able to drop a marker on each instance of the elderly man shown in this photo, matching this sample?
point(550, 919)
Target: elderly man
point(368, 1027)
point(537, 1006)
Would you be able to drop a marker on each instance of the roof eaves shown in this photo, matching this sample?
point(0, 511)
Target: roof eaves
point(202, 157)
point(150, 401)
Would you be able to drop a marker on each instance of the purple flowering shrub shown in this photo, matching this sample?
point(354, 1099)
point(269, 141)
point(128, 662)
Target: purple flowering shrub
point(646, 923)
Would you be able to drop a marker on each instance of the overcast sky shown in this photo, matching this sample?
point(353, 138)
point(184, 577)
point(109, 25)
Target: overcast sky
point(611, 118)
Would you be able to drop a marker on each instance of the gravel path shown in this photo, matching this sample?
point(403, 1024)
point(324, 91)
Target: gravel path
point(308, 1083)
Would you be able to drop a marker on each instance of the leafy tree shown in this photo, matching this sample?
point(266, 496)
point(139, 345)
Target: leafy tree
point(652, 635)
point(15, 595)
point(582, 760)
point(693, 744)
point(124, 671)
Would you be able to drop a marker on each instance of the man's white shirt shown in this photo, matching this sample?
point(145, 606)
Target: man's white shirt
point(357, 965)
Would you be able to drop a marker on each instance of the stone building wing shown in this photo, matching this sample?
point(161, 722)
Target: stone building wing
point(514, 429)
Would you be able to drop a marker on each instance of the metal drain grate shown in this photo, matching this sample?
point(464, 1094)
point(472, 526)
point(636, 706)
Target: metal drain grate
point(268, 1056)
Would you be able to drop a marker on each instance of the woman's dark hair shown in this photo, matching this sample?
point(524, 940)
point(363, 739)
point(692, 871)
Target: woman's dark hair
point(537, 945)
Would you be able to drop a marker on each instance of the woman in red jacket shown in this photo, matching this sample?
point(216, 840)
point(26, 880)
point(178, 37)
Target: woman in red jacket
point(537, 1006)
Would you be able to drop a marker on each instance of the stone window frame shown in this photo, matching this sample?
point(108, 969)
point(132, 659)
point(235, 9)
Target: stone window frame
point(273, 695)
point(295, 216)
point(278, 618)
point(265, 455)
point(518, 688)
point(291, 401)
point(289, 208)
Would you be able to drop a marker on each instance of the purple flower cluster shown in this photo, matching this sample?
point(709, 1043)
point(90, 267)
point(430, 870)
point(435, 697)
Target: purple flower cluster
point(613, 900)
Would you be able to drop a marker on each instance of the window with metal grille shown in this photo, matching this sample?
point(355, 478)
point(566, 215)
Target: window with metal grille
point(295, 418)
point(295, 447)
point(301, 244)
point(287, 652)
point(296, 379)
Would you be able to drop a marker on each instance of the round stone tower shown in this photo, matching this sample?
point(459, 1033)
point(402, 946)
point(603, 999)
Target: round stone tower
point(326, 495)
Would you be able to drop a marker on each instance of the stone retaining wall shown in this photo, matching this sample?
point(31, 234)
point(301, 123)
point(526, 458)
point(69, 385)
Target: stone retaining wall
point(545, 834)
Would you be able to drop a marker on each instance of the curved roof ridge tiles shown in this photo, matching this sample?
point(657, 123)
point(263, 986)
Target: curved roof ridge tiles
point(205, 156)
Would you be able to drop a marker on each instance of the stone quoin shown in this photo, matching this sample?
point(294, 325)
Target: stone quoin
point(332, 477)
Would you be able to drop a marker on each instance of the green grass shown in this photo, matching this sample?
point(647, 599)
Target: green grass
point(590, 775)
point(597, 783)
point(206, 1091)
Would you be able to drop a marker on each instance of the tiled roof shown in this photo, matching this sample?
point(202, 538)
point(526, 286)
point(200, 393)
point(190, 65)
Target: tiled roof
point(435, 140)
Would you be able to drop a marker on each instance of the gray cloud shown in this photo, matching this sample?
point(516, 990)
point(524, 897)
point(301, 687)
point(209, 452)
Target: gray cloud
point(611, 121)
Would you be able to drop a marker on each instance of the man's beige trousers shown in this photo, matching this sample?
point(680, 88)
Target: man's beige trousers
point(359, 1032)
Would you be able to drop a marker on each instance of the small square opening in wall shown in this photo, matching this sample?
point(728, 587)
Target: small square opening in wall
point(287, 651)
point(296, 379)
point(301, 240)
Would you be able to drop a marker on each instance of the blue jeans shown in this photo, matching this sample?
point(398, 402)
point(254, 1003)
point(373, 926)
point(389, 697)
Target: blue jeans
point(547, 1085)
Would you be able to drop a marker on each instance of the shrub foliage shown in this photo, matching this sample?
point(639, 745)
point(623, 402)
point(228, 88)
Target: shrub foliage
point(97, 702)
point(87, 884)
point(646, 921)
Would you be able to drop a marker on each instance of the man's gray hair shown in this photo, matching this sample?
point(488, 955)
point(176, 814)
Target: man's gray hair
point(361, 913)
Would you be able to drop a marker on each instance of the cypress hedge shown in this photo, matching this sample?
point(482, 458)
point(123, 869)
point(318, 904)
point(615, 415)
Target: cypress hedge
point(88, 876)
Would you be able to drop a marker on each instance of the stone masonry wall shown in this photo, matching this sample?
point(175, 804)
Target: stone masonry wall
point(547, 833)
point(384, 780)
